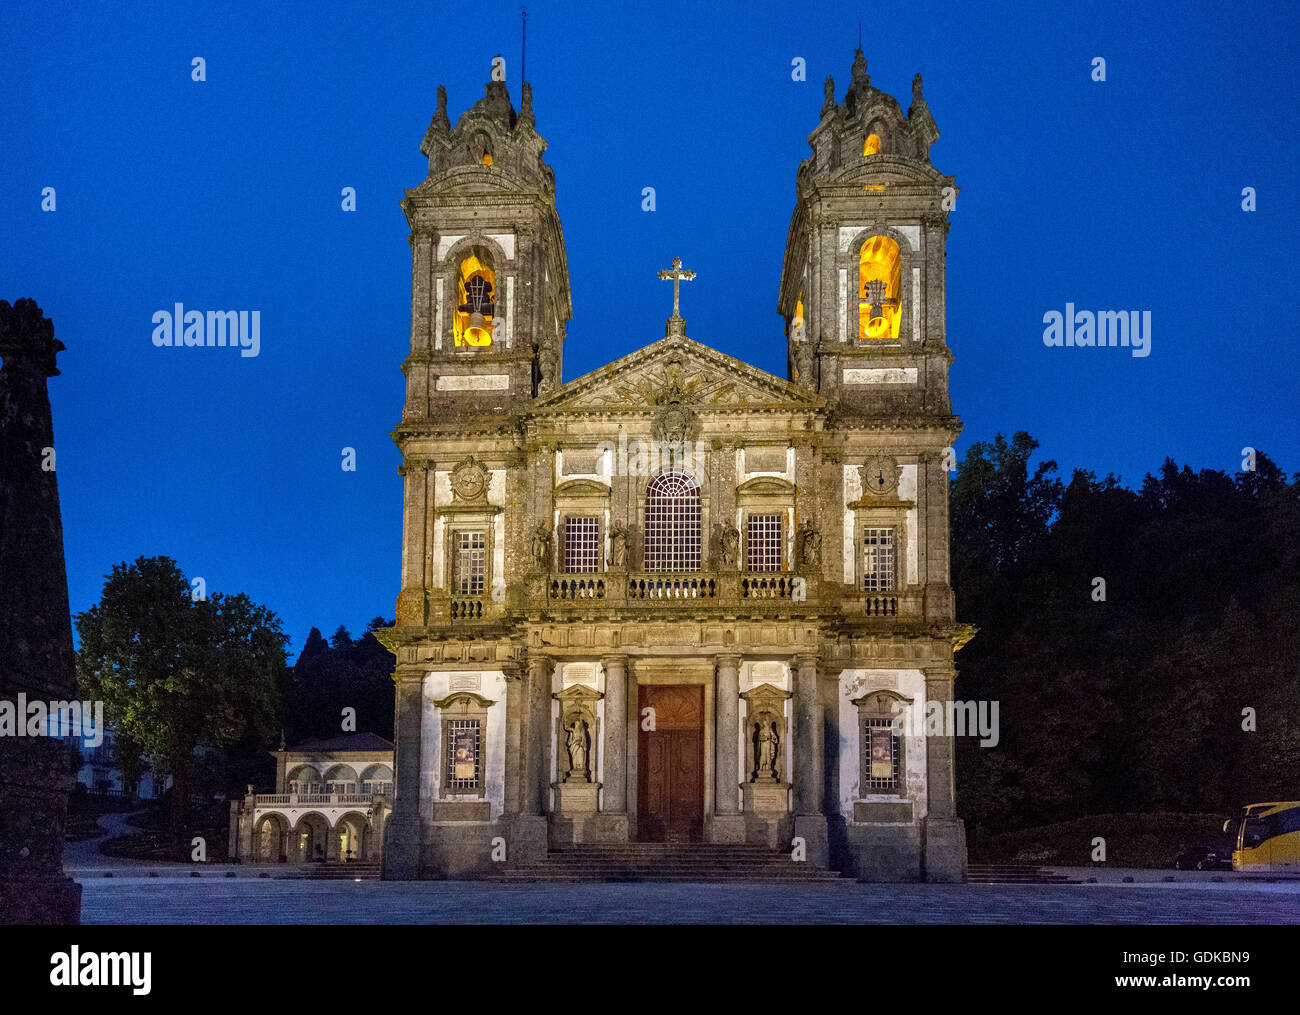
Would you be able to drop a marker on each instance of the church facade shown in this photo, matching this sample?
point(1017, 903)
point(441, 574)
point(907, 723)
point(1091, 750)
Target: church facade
point(678, 598)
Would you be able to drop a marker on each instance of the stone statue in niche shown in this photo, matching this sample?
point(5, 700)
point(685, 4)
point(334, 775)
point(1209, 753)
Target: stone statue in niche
point(810, 544)
point(542, 545)
point(618, 545)
point(549, 367)
point(578, 743)
point(730, 548)
point(767, 743)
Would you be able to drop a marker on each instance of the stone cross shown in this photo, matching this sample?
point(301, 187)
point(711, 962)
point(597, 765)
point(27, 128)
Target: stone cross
point(679, 275)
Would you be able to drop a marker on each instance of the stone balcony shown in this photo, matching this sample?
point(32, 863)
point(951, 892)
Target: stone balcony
point(760, 594)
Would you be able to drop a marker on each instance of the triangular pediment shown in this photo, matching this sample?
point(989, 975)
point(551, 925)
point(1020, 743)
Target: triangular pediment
point(677, 368)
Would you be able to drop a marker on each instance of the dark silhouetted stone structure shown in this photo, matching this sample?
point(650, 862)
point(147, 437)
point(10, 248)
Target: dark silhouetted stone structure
point(35, 629)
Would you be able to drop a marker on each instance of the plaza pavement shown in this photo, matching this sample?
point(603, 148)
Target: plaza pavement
point(214, 899)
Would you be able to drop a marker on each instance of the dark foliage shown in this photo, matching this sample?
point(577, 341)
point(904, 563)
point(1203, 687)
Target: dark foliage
point(341, 673)
point(1135, 703)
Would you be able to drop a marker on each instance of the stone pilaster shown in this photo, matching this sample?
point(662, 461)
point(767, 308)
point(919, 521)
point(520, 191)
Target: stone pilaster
point(945, 833)
point(939, 600)
point(727, 824)
point(809, 777)
point(402, 831)
point(515, 722)
point(412, 608)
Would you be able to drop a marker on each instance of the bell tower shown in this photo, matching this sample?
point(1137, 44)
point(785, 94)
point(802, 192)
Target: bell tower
point(489, 277)
point(862, 285)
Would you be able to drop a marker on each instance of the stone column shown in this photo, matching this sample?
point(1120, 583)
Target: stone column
point(945, 833)
point(515, 725)
point(402, 838)
point(528, 743)
point(537, 780)
point(614, 762)
point(810, 821)
point(727, 823)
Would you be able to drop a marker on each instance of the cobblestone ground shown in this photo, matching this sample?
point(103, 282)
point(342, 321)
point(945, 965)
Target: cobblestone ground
point(121, 900)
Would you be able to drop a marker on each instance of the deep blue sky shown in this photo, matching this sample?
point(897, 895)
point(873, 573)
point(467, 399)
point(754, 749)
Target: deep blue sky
point(225, 194)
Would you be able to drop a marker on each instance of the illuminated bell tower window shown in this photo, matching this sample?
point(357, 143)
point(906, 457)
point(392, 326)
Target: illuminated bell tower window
point(475, 306)
point(880, 268)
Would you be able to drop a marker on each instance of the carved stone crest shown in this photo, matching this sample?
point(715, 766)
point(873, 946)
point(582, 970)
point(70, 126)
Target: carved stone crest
point(469, 481)
point(672, 423)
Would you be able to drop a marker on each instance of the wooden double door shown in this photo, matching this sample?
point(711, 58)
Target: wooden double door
point(670, 764)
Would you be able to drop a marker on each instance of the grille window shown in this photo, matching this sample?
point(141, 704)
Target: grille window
point(763, 543)
point(879, 560)
point(471, 563)
point(880, 744)
point(464, 743)
point(582, 545)
point(672, 524)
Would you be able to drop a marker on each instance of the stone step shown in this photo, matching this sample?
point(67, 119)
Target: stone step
point(684, 876)
point(1012, 874)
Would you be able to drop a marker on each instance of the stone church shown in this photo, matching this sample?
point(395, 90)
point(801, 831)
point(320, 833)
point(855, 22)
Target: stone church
point(677, 599)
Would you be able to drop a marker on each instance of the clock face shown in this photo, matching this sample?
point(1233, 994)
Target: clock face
point(469, 480)
point(880, 475)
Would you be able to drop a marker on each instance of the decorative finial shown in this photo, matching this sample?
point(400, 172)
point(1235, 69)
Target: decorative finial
point(282, 744)
point(440, 120)
point(860, 68)
point(526, 105)
point(916, 88)
point(828, 89)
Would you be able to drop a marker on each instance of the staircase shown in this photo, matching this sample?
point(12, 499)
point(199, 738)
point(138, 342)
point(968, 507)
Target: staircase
point(665, 861)
point(367, 871)
point(1012, 874)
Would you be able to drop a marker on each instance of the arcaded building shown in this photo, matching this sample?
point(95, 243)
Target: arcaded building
point(677, 598)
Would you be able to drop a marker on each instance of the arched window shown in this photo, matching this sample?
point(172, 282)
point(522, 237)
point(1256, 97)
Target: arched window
point(481, 148)
point(871, 145)
point(880, 269)
point(475, 301)
point(672, 523)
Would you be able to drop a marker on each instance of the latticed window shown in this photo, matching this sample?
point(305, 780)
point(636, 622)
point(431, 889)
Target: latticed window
point(470, 569)
point(464, 751)
point(763, 543)
point(880, 743)
point(582, 545)
point(879, 560)
point(672, 523)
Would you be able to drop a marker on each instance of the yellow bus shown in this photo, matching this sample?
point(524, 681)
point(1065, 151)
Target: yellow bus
point(1266, 838)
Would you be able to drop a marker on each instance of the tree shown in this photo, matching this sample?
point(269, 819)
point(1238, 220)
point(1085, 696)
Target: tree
point(1138, 701)
point(342, 672)
point(174, 673)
